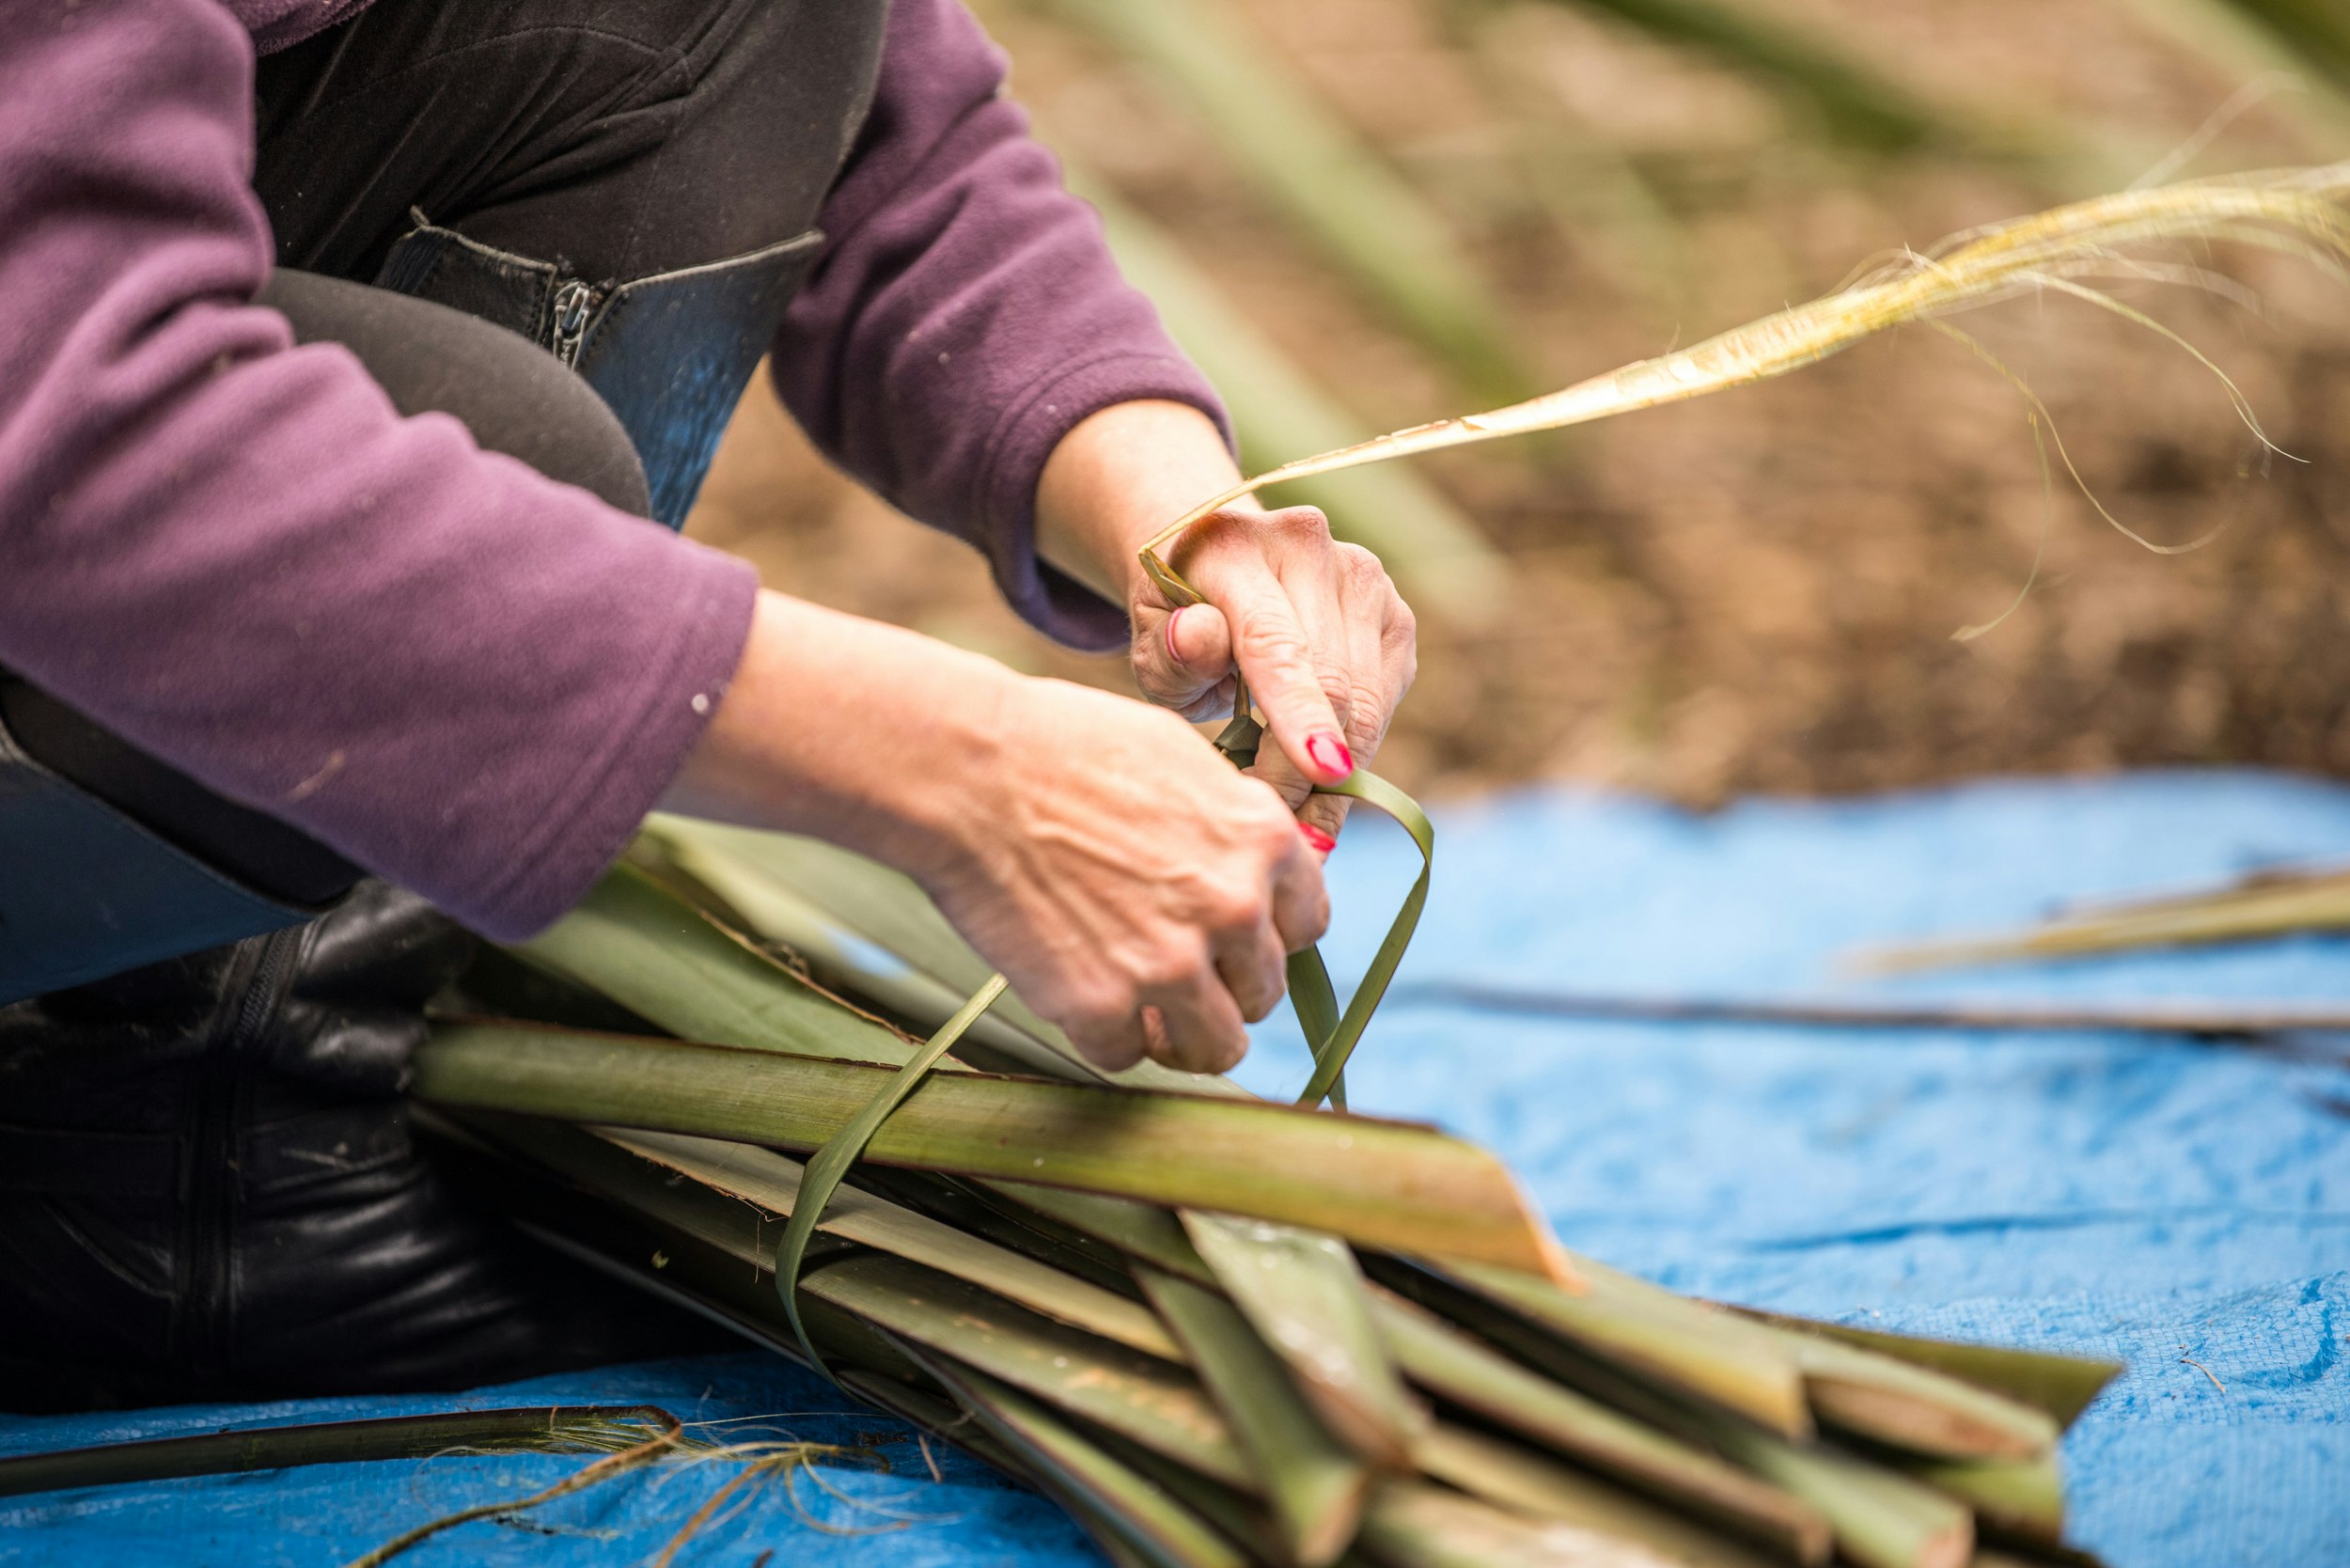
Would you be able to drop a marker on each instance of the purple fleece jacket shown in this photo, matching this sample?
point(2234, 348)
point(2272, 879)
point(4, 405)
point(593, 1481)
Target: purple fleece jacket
point(461, 675)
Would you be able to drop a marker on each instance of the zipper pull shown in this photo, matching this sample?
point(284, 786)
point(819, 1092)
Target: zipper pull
point(574, 303)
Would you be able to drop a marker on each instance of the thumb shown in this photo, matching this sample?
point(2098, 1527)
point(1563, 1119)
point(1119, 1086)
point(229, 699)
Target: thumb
point(1181, 657)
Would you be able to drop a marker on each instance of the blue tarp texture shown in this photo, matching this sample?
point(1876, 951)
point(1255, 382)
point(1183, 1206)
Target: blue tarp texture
point(2182, 1207)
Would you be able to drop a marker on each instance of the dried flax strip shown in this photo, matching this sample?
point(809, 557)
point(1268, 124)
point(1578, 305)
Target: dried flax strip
point(2296, 212)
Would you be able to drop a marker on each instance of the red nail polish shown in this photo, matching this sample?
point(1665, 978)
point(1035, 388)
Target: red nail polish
point(1321, 843)
point(1329, 753)
point(1173, 657)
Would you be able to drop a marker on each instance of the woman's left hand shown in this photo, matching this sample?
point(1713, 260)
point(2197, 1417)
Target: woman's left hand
point(1315, 627)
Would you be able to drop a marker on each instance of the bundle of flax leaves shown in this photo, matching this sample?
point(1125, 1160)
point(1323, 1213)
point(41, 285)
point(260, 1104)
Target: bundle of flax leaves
point(1219, 1330)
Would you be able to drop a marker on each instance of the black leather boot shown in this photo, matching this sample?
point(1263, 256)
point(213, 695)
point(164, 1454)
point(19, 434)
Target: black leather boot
point(209, 1189)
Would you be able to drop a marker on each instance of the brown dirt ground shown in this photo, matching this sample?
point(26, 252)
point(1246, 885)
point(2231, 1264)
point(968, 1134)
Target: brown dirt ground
point(1757, 592)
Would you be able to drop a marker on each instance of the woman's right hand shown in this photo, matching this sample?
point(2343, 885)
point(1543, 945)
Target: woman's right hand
point(1136, 889)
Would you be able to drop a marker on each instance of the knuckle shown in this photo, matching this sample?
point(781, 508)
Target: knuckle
point(1362, 568)
point(1170, 968)
point(1100, 1005)
point(1253, 987)
point(1318, 919)
point(1268, 823)
point(1311, 523)
point(1114, 1052)
point(1235, 905)
point(1093, 1021)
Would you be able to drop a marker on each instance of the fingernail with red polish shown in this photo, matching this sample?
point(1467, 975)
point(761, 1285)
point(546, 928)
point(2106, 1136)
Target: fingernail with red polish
point(1321, 843)
point(1173, 657)
point(1329, 753)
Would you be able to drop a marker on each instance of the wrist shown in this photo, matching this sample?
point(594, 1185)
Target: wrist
point(1117, 478)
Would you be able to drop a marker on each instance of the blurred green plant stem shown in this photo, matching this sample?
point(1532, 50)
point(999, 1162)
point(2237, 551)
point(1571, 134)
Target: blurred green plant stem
point(1439, 556)
point(1317, 172)
point(2303, 46)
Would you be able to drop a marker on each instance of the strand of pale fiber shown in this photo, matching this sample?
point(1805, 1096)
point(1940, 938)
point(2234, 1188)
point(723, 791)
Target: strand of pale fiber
point(2290, 211)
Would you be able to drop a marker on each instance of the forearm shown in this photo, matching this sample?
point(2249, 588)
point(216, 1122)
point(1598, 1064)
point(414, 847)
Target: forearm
point(847, 730)
point(1119, 477)
point(874, 737)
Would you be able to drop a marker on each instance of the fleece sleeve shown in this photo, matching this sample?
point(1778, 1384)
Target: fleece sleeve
point(232, 551)
point(965, 313)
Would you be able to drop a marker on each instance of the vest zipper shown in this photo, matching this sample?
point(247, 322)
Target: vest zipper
point(208, 1307)
point(574, 305)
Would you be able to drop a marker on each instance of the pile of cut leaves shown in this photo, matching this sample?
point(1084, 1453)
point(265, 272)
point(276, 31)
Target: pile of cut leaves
point(1220, 1331)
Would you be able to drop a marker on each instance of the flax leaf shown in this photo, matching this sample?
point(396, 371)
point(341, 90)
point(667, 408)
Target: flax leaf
point(831, 1162)
point(1305, 1294)
point(1385, 1184)
point(1316, 1487)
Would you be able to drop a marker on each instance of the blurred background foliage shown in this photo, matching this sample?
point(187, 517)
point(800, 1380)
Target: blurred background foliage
point(1363, 213)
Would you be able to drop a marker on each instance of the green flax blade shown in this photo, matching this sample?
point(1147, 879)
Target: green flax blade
point(1465, 1371)
point(641, 944)
point(1411, 1524)
point(1673, 1341)
point(544, 1429)
point(1139, 1229)
point(1244, 1519)
point(1316, 1487)
point(1161, 1530)
point(972, 1208)
point(2278, 904)
point(1332, 1049)
point(1384, 1183)
point(865, 928)
point(2019, 1498)
point(1523, 1482)
point(759, 1187)
point(1315, 1001)
point(1159, 1407)
point(1903, 1405)
point(2063, 1385)
point(1880, 1518)
point(1300, 1287)
point(830, 1163)
point(1303, 1292)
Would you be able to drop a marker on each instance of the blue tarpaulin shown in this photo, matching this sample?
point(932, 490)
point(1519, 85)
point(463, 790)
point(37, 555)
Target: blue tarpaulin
point(2180, 1206)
